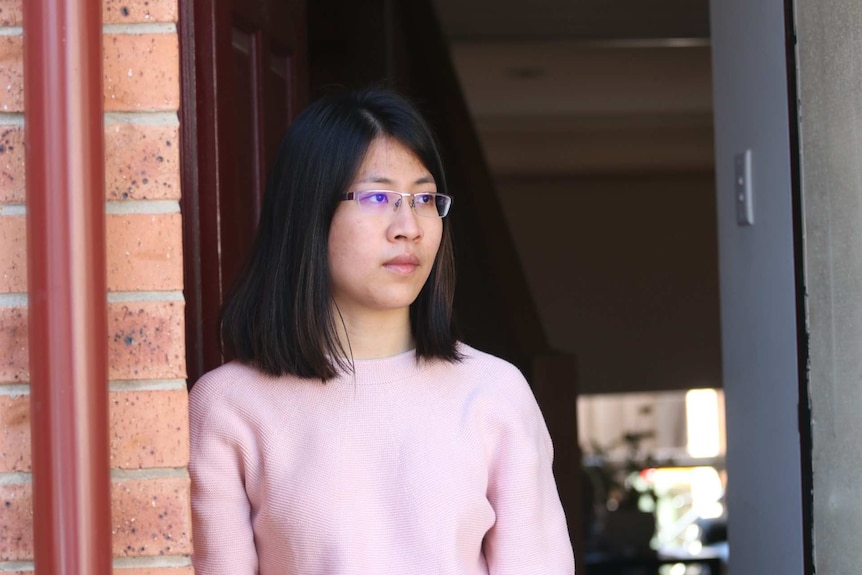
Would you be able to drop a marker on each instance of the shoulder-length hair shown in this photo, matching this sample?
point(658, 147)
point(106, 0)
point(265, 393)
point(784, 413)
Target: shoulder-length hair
point(278, 314)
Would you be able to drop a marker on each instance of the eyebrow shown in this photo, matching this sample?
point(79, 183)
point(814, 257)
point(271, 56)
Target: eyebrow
point(374, 179)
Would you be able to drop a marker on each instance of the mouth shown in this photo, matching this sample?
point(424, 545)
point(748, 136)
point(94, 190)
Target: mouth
point(404, 264)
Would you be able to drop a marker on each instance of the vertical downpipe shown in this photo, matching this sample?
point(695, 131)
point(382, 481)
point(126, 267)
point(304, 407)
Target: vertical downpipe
point(67, 288)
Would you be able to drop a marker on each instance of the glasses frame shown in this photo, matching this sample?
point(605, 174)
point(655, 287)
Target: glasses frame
point(353, 196)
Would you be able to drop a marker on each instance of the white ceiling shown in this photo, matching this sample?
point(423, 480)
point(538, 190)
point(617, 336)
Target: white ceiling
point(564, 78)
point(574, 19)
point(579, 76)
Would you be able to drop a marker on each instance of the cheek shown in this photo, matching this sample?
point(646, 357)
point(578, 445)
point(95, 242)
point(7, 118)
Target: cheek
point(348, 243)
point(338, 246)
point(341, 229)
point(434, 236)
point(345, 272)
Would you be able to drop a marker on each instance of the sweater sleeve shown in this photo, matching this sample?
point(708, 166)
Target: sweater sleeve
point(530, 534)
point(221, 513)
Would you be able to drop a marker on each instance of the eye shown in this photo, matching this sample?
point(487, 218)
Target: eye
point(424, 199)
point(373, 198)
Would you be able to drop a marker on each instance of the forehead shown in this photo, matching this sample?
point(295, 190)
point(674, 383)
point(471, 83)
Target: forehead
point(387, 160)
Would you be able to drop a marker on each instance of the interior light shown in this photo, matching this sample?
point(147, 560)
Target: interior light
point(702, 423)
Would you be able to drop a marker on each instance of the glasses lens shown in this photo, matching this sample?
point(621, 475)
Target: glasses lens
point(431, 205)
point(377, 201)
point(442, 203)
point(426, 205)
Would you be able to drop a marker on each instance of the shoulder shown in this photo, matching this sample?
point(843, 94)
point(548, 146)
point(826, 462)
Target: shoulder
point(494, 380)
point(474, 360)
point(222, 380)
point(489, 368)
point(224, 389)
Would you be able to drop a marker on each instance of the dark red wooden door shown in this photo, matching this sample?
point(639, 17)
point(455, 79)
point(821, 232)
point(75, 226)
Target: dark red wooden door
point(244, 79)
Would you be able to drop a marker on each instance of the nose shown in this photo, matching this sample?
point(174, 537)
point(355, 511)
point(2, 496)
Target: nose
point(405, 223)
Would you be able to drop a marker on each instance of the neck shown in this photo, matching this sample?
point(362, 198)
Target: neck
point(374, 335)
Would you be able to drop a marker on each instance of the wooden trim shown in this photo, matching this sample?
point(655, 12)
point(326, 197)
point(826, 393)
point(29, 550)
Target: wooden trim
point(200, 138)
point(190, 184)
point(67, 286)
point(209, 148)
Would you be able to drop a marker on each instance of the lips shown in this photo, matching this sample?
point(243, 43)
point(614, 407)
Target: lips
point(403, 264)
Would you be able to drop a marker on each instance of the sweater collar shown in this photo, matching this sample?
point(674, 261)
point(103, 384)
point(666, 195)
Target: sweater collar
point(383, 370)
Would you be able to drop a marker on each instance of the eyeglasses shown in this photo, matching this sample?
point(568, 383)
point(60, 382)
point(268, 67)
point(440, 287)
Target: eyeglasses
point(427, 205)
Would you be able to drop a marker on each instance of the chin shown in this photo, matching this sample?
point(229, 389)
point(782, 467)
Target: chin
point(396, 302)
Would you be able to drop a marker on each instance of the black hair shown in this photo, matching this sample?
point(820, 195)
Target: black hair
point(277, 315)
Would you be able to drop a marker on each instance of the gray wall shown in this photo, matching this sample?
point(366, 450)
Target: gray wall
point(830, 83)
point(756, 270)
point(624, 273)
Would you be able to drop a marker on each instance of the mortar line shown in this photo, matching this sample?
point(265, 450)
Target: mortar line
point(13, 566)
point(142, 118)
point(149, 473)
point(13, 210)
point(15, 478)
point(155, 561)
point(15, 390)
point(19, 299)
point(138, 28)
point(139, 296)
point(23, 388)
point(148, 385)
point(12, 119)
point(112, 207)
point(153, 207)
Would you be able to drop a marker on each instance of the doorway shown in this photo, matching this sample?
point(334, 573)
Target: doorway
point(599, 136)
point(648, 182)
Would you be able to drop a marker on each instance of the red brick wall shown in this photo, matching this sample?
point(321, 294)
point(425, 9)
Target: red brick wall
point(148, 400)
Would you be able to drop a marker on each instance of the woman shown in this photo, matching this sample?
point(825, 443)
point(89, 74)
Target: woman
point(354, 434)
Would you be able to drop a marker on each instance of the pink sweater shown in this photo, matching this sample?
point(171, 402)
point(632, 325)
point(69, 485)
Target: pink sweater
point(404, 468)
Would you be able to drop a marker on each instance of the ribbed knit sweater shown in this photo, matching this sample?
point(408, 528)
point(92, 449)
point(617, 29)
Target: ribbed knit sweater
point(404, 467)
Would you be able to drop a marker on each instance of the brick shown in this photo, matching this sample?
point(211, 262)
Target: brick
point(142, 162)
point(144, 252)
point(11, 74)
point(15, 433)
point(14, 360)
point(16, 522)
point(141, 72)
point(146, 340)
point(13, 254)
point(12, 176)
point(127, 571)
point(149, 429)
point(11, 12)
point(151, 517)
point(136, 11)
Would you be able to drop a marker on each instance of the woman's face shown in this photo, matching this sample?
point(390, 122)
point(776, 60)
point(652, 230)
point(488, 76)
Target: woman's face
point(379, 262)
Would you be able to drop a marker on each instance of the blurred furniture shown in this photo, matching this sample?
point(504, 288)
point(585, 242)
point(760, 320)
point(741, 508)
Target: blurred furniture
point(600, 564)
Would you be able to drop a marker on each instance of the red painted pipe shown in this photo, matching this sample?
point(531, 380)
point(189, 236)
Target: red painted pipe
point(64, 121)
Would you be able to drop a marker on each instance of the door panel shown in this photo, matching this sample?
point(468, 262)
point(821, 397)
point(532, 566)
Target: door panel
point(239, 205)
point(244, 79)
point(278, 77)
